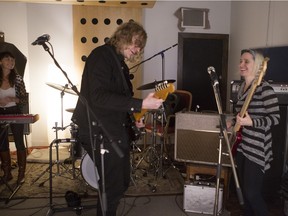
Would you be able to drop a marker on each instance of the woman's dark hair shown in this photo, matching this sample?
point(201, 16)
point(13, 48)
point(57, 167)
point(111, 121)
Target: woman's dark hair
point(12, 75)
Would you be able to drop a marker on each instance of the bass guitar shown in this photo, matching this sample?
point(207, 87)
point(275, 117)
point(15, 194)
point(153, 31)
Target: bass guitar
point(162, 90)
point(236, 136)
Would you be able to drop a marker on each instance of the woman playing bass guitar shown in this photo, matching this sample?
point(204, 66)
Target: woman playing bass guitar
point(254, 151)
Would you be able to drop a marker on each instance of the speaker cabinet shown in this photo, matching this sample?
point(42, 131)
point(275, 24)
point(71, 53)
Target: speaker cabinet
point(197, 138)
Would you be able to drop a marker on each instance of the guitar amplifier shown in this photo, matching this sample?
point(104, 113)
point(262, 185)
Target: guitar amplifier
point(197, 138)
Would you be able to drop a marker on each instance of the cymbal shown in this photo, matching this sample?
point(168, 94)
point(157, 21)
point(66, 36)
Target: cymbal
point(61, 88)
point(153, 84)
point(70, 110)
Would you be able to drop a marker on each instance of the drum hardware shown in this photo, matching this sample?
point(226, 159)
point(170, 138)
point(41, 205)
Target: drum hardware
point(152, 155)
point(134, 149)
point(86, 166)
point(57, 160)
point(52, 209)
point(56, 144)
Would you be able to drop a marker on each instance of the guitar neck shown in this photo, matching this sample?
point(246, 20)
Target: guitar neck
point(257, 81)
point(162, 91)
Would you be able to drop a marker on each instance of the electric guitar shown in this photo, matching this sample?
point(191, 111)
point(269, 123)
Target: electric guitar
point(236, 136)
point(162, 90)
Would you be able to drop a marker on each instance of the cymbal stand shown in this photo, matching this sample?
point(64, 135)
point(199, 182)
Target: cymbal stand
point(134, 149)
point(150, 154)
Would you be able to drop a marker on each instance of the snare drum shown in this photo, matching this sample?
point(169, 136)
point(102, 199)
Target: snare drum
point(87, 171)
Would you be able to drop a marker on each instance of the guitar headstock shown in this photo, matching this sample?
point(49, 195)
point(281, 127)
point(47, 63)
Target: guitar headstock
point(261, 72)
point(163, 89)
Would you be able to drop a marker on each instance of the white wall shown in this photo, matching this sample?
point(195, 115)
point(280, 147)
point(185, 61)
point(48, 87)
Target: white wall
point(22, 23)
point(162, 27)
point(56, 20)
point(256, 24)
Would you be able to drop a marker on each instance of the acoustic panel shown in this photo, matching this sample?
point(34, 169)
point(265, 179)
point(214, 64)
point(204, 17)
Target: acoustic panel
point(198, 137)
point(92, 26)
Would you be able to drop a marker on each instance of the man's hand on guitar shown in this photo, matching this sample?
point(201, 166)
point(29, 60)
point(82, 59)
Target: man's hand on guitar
point(151, 102)
point(245, 120)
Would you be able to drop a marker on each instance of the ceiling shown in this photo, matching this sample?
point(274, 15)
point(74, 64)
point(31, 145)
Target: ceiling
point(110, 3)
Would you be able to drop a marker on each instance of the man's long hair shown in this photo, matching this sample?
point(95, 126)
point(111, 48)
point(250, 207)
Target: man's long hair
point(123, 36)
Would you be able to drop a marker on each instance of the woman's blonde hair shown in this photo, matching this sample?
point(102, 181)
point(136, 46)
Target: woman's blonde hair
point(257, 57)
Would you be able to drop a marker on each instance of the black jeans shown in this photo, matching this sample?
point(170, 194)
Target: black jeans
point(16, 129)
point(251, 180)
point(116, 169)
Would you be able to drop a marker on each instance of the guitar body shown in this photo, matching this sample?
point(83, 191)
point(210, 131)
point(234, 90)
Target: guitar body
point(162, 90)
point(236, 141)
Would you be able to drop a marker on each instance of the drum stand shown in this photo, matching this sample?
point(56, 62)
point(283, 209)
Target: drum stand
point(57, 161)
point(52, 210)
point(134, 148)
point(150, 154)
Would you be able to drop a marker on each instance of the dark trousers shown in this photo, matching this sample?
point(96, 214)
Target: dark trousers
point(116, 169)
point(16, 129)
point(251, 181)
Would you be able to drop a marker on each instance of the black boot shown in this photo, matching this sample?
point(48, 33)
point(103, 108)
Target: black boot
point(6, 166)
point(21, 160)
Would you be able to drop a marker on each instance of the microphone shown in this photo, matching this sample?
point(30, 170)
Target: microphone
point(213, 75)
point(41, 40)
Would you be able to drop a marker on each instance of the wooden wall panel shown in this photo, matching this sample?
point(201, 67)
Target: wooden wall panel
point(92, 25)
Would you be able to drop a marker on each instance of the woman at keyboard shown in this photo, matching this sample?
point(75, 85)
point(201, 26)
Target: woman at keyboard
point(12, 97)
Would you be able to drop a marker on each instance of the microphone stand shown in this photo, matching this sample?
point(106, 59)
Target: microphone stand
point(223, 132)
point(100, 136)
point(163, 60)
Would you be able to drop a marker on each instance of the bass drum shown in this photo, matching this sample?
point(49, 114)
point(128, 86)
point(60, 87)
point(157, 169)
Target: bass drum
point(87, 172)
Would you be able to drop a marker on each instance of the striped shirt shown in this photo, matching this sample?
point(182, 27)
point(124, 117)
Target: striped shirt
point(256, 143)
